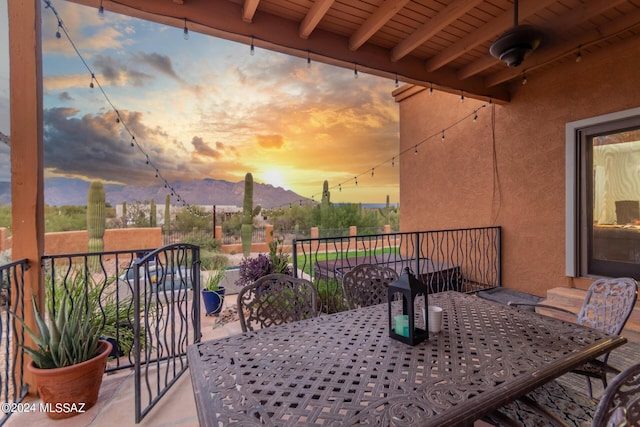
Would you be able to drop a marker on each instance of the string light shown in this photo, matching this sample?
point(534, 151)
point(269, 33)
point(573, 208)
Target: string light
point(443, 134)
point(430, 88)
point(524, 79)
point(372, 171)
point(579, 54)
point(461, 96)
point(356, 180)
point(355, 70)
point(185, 31)
point(308, 59)
point(252, 49)
point(415, 149)
point(101, 10)
point(475, 117)
point(397, 83)
point(95, 83)
point(393, 162)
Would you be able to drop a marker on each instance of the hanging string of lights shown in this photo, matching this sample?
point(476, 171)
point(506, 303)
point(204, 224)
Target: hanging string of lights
point(120, 118)
point(197, 211)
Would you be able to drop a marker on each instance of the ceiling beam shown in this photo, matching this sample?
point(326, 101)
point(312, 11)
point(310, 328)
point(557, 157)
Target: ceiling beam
point(491, 29)
point(249, 9)
point(316, 13)
point(380, 17)
point(452, 12)
point(552, 53)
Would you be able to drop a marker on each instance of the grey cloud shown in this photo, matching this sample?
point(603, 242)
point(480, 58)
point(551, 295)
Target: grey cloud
point(203, 149)
point(97, 147)
point(161, 63)
point(65, 96)
point(114, 70)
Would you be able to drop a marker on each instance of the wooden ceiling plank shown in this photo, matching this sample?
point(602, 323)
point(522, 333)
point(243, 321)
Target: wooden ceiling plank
point(497, 26)
point(544, 57)
point(571, 19)
point(316, 13)
point(249, 10)
point(380, 17)
point(436, 24)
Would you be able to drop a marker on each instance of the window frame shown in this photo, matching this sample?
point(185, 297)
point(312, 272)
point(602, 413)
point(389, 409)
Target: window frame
point(579, 201)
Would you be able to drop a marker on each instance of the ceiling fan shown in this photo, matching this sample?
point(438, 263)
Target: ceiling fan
point(516, 43)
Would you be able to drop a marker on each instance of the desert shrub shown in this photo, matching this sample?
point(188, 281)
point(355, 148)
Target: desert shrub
point(213, 260)
point(330, 299)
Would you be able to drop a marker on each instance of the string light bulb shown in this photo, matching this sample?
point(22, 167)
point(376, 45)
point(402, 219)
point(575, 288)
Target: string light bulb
point(393, 162)
point(579, 54)
point(524, 79)
point(475, 117)
point(430, 88)
point(340, 187)
point(356, 180)
point(355, 71)
point(185, 31)
point(461, 96)
point(372, 171)
point(397, 83)
point(58, 35)
point(101, 10)
point(91, 82)
point(308, 59)
point(415, 149)
point(252, 49)
point(442, 135)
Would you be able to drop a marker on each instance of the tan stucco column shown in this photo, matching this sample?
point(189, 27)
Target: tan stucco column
point(27, 184)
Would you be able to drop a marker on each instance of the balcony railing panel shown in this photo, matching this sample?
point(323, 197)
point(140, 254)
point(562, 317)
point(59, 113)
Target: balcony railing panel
point(12, 301)
point(465, 260)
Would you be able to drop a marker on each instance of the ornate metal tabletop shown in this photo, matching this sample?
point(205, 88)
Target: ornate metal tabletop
point(343, 369)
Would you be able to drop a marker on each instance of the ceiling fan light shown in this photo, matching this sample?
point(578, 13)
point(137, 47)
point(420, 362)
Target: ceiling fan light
point(516, 44)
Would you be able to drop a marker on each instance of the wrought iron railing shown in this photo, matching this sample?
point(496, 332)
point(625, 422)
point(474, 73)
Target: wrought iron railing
point(12, 300)
point(465, 260)
point(108, 278)
point(149, 308)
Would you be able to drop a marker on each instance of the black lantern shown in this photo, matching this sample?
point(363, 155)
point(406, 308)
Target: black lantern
point(402, 325)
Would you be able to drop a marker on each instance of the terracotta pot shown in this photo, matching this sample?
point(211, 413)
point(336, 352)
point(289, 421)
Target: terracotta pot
point(73, 389)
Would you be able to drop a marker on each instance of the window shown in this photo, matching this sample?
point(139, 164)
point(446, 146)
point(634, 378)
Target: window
point(603, 196)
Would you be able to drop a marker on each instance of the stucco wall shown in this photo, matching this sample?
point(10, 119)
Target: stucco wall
point(518, 181)
point(114, 239)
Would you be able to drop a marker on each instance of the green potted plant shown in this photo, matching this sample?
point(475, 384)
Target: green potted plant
point(213, 293)
point(69, 358)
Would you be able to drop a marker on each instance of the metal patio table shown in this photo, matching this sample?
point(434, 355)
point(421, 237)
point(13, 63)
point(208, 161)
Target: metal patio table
point(343, 369)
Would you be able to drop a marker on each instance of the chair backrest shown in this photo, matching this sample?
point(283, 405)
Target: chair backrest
point(620, 402)
point(366, 284)
point(276, 299)
point(608, 304)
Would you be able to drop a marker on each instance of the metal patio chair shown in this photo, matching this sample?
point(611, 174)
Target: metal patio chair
point(606, 307)
point(276, 299)
point(366, 284)
point(557, 405)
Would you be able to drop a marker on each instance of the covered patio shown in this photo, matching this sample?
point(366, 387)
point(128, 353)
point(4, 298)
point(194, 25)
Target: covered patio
point(521, 164)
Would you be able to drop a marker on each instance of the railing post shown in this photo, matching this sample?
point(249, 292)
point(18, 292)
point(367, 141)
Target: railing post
point(294, 252)
point(416, 270)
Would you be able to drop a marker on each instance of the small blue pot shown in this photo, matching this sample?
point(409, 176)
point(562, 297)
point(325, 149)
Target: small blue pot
point(213, 301)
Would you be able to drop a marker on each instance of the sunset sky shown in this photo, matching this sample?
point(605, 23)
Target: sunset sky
point(204, 108)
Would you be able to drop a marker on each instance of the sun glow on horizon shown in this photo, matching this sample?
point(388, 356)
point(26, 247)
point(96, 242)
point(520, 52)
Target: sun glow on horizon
point(274, 177)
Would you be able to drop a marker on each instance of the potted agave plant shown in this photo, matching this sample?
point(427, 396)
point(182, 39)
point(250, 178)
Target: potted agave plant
point(213, 293)
point(69, 358)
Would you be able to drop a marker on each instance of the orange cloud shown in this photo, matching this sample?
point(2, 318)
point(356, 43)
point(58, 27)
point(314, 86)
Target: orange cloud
point(270, 141)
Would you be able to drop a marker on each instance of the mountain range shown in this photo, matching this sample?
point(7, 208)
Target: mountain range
point(73, 191)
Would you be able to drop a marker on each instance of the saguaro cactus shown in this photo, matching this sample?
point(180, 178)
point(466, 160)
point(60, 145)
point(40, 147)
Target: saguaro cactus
point(167, 214)
point(248, 213)
point(96, 219)
point(152, 213)
point(325, 205)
